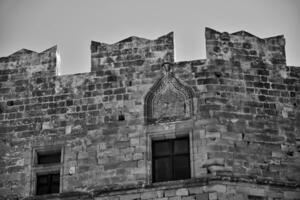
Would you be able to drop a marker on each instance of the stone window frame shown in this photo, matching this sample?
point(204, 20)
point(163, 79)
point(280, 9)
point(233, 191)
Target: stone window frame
point(167, 131)
point(43, 169)
point(171, 156)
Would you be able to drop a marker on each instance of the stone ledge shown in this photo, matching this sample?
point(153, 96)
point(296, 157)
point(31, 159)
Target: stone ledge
point(64, 195)
point(204, 181)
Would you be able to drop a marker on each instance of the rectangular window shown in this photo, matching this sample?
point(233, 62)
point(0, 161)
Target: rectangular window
point(47, 167)
point(171, 159)
point(47, 183)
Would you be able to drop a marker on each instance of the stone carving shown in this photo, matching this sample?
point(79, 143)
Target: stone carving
point(169, 99)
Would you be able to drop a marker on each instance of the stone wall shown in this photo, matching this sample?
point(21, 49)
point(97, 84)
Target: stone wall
point(240, 108)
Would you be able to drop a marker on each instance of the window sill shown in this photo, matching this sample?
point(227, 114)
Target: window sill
point(179, 183)
point(56, 196)
point(44, 196)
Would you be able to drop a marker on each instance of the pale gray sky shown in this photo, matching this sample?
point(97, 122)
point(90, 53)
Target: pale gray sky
point(72, 24)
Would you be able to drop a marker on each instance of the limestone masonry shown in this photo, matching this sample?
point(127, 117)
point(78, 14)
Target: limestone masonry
point(101, 135)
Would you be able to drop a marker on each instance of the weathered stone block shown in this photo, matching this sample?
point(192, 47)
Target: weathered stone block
point(170, 193)
point(149, 195)
point(212, 196)
point(130, 196)
point(203, 196)
point(182, 192)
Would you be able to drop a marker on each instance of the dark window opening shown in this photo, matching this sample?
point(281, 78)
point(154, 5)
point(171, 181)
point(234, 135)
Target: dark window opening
point(121, 117)
point(47, 184)
point(48, 157)
point(10, 103)
point(171, 159)
point(1, 109)
point(253, 197)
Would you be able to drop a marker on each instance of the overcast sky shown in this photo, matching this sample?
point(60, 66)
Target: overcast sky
point(72, 24)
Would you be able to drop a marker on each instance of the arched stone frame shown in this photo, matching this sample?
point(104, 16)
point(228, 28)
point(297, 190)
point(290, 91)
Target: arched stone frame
point(166, 87)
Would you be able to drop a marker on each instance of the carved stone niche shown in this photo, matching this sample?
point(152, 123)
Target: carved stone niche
point(169, 99)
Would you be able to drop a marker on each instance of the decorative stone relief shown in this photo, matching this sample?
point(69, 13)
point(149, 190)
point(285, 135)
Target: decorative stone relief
point(169, 99)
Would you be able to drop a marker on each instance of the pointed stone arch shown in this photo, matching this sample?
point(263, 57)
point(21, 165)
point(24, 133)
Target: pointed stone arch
point(169, 99)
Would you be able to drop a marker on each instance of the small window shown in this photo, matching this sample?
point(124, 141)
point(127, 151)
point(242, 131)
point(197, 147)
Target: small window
point(121, 117)
point(47, 183)
point(48, 157)
point(46, 170)
point(171, 159)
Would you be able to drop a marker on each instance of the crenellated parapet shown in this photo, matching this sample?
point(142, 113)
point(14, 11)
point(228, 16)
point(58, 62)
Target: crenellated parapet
point(132, 52)
point(242, 47)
